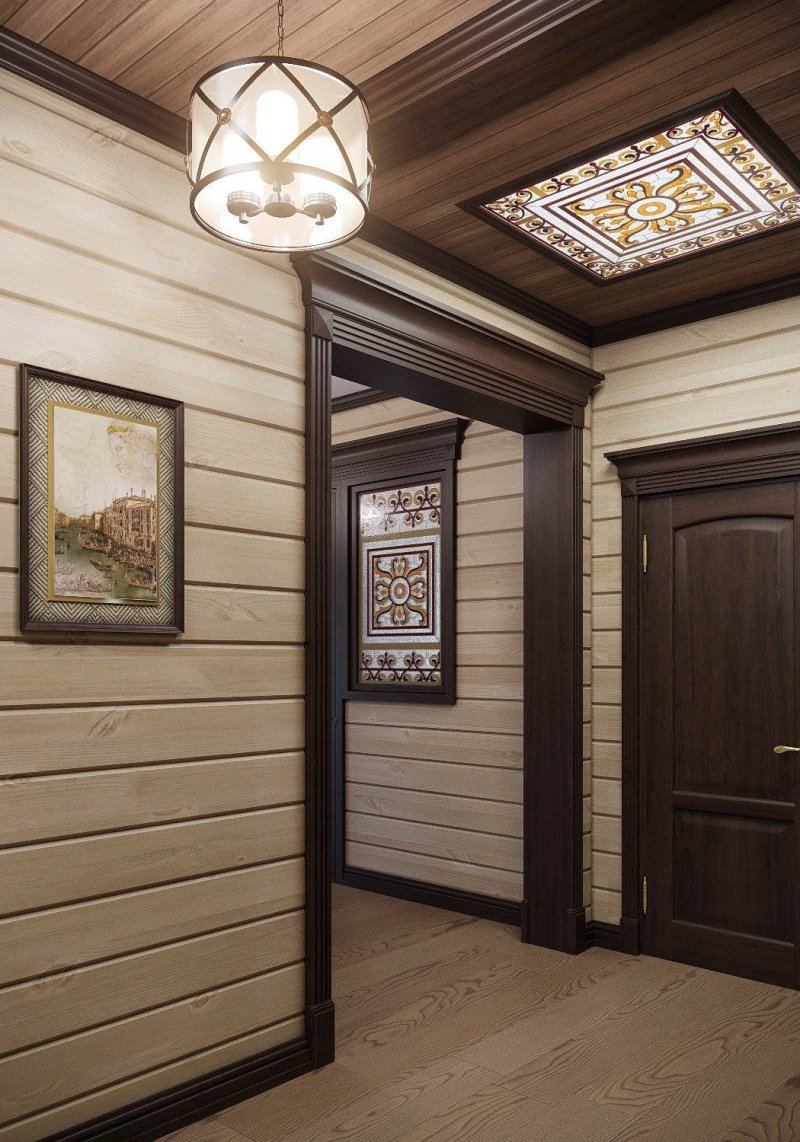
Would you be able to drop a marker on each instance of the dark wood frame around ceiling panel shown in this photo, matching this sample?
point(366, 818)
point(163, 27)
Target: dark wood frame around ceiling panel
point(753, 456)
point(731, 102)
point(366, 329)
point(420, 454)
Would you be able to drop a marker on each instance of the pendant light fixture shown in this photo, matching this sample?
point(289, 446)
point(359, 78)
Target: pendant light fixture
point(278, 154)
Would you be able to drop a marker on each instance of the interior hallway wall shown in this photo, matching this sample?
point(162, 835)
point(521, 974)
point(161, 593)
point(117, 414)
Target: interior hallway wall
point(721, 375)
point(152, 823)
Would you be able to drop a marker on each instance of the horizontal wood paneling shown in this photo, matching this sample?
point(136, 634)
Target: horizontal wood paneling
point(496, 817)
point(69, 739)
point(67, 805)
point(476, 781)
point(153, 832)
point(453, 874)
point(124, 1093)
point(714, 376)
point(106, 1054)
point(490, 717)
point(43, 875)
point(439, 780)
point(46, 675)
point(503, 750)
point(42, 943)
point(63, 1004)
point(484, 849)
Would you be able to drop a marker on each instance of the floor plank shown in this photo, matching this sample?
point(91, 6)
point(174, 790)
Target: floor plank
point(448, 1029)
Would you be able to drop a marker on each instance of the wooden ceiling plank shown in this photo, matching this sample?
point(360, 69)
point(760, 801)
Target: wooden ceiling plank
point(419, 33)
point(189, 40)
point(347, 36)
point(517, 52)
point(9, 7)
point(36, 19)
point(306, 28)
point(142, 30)
point(87, 25)
point(587, 109)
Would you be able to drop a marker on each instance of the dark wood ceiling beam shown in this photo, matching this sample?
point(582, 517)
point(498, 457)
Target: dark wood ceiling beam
point(503, 59)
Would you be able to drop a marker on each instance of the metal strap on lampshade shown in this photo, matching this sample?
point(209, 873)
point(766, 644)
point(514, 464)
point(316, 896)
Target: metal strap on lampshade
point(278, 155)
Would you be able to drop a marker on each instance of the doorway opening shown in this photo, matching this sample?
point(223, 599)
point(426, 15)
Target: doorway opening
point(370, 333)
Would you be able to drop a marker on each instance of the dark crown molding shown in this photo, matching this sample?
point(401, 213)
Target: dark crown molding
point(718, 304)
point(32, 61)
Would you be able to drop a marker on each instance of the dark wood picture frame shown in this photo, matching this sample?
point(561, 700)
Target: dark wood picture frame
point(30, 624)
point(727, 459)
point(417, 455)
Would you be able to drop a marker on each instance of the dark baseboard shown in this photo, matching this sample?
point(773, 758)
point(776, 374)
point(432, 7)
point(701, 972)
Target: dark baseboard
point(602, 935)
point(437, 896)
point(160, 1114)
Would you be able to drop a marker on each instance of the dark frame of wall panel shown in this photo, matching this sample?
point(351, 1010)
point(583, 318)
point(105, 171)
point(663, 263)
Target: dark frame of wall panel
point(367, 329)
point(414, 455)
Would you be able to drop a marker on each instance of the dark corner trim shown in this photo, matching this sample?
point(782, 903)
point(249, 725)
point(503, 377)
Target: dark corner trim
point(159, 1114)
point(32, 61)
point(437, 896)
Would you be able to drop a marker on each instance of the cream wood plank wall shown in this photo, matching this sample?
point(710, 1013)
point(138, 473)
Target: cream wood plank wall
point(434, 793)
point(151, 857)
point(721, 375)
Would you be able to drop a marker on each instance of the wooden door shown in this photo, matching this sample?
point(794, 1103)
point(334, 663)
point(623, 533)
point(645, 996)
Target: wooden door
point(719, 686)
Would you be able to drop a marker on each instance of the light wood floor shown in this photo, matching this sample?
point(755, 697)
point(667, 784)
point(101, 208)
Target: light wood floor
point(448, 1028)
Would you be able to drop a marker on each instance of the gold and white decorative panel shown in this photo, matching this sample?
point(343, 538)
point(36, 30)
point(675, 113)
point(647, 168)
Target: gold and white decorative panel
point(400, 637)
point(695, 185)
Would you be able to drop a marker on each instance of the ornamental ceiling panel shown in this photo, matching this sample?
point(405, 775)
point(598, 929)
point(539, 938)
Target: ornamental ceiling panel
point(713, 176)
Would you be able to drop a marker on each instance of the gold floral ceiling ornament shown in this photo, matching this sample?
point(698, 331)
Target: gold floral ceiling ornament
point(713, 175)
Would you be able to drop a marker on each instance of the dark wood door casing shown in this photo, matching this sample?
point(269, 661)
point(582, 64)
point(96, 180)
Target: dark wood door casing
point(711, 645)
point(374, 329)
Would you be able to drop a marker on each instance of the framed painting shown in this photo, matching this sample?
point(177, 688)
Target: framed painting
point(101, 507)
point(395, 564)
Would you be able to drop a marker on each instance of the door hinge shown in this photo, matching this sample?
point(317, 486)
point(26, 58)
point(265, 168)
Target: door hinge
point(644, 895)
point(644, 553)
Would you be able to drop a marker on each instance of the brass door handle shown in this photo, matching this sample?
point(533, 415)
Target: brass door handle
point(786, 749)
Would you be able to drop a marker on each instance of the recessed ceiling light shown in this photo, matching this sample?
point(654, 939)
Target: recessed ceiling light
point(709, 176)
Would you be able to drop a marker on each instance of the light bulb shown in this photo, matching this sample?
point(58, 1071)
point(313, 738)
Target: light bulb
point(245, 197)
point(277, 121)
point(316, 193)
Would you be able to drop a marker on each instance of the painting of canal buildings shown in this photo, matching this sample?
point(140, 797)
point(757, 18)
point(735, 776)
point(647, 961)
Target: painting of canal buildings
point(104, 506)
point(101, 507)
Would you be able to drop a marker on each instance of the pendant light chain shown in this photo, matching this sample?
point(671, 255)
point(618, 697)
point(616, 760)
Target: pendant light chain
point(280, 27)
